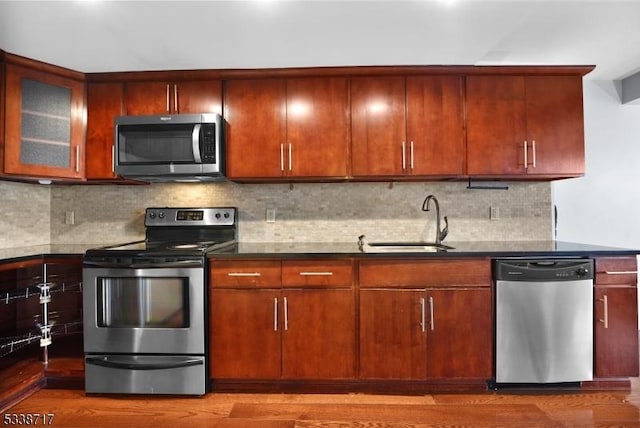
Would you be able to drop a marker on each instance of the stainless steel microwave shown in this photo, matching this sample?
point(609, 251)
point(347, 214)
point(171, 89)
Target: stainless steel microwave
point(183, 147)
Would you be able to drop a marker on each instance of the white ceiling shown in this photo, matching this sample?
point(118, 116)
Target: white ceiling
point(103, 36)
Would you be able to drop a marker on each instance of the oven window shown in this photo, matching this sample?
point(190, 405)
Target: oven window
point(143, 302)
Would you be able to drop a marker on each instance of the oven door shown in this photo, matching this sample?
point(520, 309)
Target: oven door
point(144, 310)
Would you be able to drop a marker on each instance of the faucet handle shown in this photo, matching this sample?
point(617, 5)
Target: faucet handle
point(444, 232)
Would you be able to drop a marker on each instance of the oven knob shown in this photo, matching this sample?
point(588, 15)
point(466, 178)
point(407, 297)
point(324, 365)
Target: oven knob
point(218, 215)
point(226, 215)
point(152, 215)
point(160, 214)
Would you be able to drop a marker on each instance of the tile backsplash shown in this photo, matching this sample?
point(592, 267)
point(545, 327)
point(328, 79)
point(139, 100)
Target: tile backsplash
point(24, 214)
point(331, 212)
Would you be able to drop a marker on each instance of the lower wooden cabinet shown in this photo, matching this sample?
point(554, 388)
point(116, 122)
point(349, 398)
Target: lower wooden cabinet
point(425, 319)
point(262, 331)
point(616, 317)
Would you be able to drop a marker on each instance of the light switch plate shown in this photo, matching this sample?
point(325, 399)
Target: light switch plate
point(271, 215)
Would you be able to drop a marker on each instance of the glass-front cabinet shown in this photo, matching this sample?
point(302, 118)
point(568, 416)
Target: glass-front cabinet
point(45, 122)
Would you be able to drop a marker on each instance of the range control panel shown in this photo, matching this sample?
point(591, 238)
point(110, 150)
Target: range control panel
point(176, 217)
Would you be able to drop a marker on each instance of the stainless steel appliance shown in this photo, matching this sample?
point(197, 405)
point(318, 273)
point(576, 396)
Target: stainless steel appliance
point(188, 147)
point(544, 320)
point(145, 304)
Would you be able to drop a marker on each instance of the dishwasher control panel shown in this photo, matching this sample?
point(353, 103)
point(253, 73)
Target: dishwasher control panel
point(543, 269)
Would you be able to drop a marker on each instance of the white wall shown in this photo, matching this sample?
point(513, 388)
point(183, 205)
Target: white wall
point(603, 207)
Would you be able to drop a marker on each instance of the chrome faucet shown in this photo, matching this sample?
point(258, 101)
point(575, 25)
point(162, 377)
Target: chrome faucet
point(440, 234)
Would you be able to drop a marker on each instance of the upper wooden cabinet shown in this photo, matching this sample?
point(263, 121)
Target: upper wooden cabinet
point(411, 126)
point(287, 128)
point(525, 126)
point(178, 97)
point(105, 101)
point(44, 124)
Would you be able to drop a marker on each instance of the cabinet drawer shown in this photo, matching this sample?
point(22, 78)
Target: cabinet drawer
point(317, 273)
point(616, 270)
point(244, 274)
point(425, 273)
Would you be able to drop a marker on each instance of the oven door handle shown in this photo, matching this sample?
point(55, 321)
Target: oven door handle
point(105, 362)
point(174, 264)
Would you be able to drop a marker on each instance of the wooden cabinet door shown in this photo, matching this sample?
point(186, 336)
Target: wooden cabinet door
point(435, 125)
point(318, 339)
point(317, 127)
point(378, 134)
point(496, 125)
point(392, 334)
point(44, 124)
point(244, 334)
point(459, 331)
point(255, 114)
point(555, 125)
point(180, 97)
point(616, 331)
point(105, 101)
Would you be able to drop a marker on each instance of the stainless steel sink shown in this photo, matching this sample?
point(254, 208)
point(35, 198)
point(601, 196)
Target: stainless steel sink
point(409, 246)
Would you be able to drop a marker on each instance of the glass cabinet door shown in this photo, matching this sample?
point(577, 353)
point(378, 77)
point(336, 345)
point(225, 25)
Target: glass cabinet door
point(44, 124)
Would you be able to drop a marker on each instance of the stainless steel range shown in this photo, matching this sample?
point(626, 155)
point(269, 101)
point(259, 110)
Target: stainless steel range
point(145, 304)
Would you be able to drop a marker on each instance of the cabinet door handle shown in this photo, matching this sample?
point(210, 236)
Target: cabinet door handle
point(404, 156)
point(275, 314)
point(526, 161)
point(533, 149)
point(316, 273)
point(286, 314)
point(175, 98)
point(431, 309)
point(622, 272)
point(77, 159)
point(423, 319)
point(282, 157)
point(411, 153)
point(605, 321)
point(244, 274)
point(290, 157)
point(168, 99)
point(113, 159)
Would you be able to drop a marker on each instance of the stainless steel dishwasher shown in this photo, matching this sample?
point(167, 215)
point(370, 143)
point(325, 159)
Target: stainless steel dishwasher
point(544, 320)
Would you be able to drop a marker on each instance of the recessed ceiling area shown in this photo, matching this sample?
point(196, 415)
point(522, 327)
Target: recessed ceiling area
point(107, 36)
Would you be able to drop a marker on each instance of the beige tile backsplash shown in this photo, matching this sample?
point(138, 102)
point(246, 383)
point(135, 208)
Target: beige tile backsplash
point(24, 214)
point(331, 212)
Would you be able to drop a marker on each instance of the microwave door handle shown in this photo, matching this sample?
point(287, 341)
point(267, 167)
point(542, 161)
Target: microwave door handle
point(195, 141)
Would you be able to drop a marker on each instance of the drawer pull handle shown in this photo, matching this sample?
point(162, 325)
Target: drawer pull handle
point(286, 314)
point(316, 273)
point(431, 320)
point(244, 274)
point(622, 272)
point(422, 315)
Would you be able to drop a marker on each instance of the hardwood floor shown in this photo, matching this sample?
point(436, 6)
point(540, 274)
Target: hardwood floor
point(71, 408)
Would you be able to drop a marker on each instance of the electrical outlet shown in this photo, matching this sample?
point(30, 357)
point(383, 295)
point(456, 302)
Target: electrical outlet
point(69, 217)
point(494, 213)
point(271, 215)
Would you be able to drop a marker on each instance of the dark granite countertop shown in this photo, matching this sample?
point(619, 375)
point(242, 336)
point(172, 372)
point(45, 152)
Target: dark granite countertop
point(351, 249)
point(39, 251)
point(460, 249)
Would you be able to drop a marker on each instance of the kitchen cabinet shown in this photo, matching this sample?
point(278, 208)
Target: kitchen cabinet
point(407, 126)
point(287, 128)
point(616, 317)
point(299, 315)
point(44, 124)
point(105, 101)
point(175, 97)
point(525, 126)
point(425, 319)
